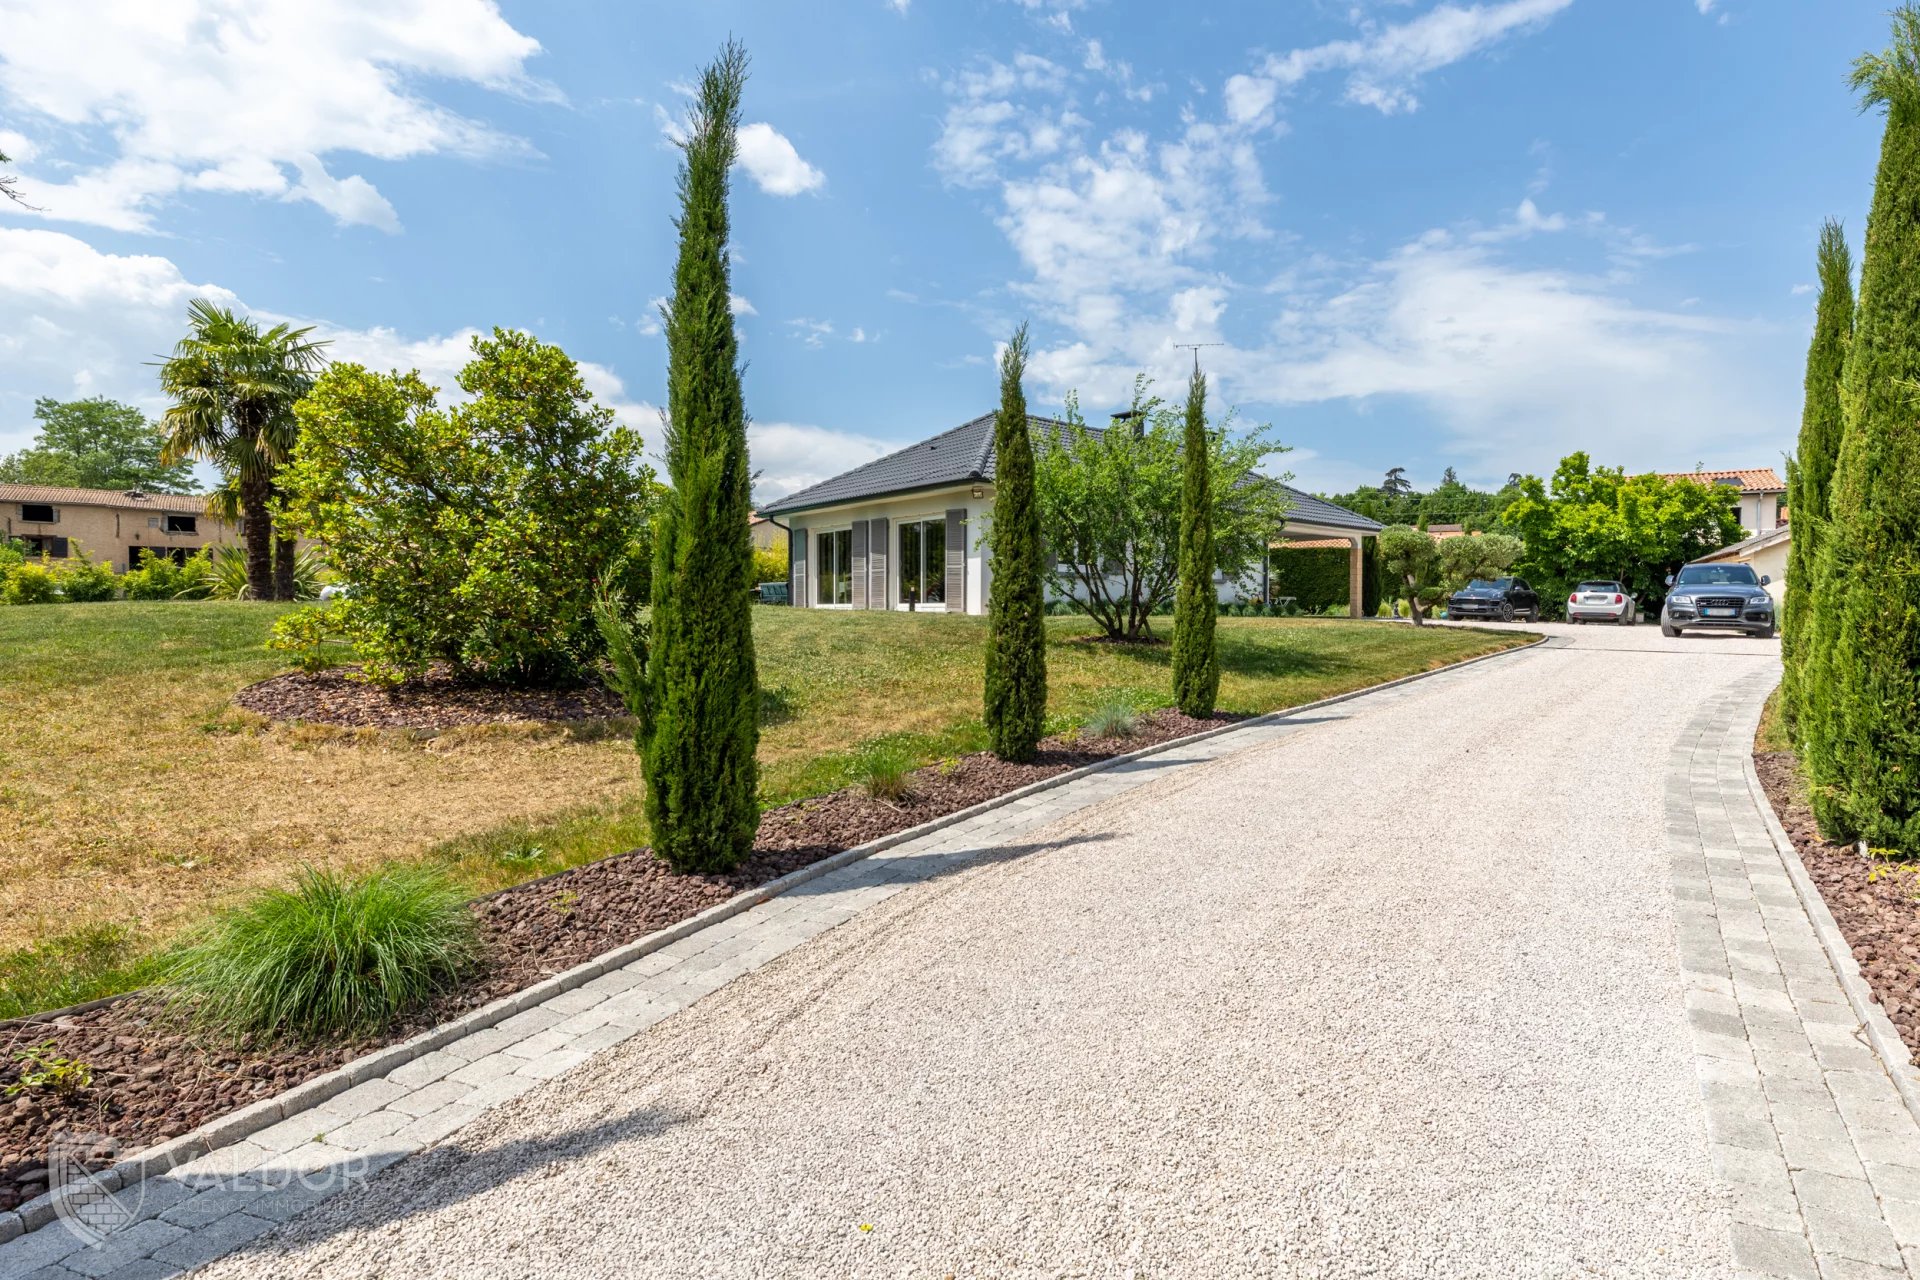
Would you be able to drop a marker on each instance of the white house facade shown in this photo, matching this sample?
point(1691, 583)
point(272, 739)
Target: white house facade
point(907, 531)
point(1763, 495)
point(1767, 554)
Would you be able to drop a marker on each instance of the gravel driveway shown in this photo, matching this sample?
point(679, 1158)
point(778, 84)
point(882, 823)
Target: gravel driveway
point(1392, 996)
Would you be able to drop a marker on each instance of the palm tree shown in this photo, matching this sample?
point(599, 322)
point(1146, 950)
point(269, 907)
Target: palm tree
point(233, 389)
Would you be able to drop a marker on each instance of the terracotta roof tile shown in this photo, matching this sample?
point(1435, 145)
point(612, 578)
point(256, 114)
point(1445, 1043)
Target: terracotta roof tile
point(1752, 479)
point(178, 503)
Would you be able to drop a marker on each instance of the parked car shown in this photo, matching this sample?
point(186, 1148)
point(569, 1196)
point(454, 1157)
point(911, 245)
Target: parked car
point(1602, 600)
point(1502, 598)
point(1724, 597)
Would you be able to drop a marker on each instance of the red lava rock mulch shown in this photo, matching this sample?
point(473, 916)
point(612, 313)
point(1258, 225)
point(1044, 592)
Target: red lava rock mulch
point(1875, 902)
point(155, 1078)
point(438, 700)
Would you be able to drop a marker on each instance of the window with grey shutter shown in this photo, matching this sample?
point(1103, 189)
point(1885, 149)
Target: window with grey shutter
point(957, 560)
point(877, 595)
point(797, 592)
point(859, 564)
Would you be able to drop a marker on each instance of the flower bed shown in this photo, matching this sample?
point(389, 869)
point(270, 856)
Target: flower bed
point(437, 700)
point(155, 1077)
point(1875, 901)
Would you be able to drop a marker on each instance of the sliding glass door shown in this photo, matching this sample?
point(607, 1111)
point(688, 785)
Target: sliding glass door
point(833, 569)
point(923, 562)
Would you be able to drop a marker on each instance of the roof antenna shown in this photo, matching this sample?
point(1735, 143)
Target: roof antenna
point(1195, 348)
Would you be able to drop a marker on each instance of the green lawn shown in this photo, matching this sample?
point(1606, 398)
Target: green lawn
point(134, 796)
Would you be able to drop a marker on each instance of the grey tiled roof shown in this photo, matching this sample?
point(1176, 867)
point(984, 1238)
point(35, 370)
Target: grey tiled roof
point(965, 454)
point(953, 457)
point(1314, 510)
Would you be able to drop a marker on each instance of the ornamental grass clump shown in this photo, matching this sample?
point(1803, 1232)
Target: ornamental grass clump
point(1112, 720)
point(333, 956)
point(886, 771)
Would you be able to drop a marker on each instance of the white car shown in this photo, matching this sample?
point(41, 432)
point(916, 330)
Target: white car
point(1602, 601)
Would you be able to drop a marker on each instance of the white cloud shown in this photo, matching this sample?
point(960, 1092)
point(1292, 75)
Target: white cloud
point(249, 96)
point(791, 455)
point(740, 306)
point(1248, 98)
point(1799, 289)
point(1524, 364)
point(814, 333)
point(78, 322)
point(75, 322)
point(1384, 63)
point(983, 126)
point(771, 161)
point(1130, 243)
point(899, 6)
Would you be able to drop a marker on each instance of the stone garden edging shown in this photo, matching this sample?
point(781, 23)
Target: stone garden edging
point(238, 1125)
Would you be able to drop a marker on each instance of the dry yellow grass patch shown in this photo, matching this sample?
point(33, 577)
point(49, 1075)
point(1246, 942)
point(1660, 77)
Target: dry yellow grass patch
point(137, 796)
point(133, 794)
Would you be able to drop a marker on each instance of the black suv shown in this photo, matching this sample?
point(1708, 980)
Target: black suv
point(1502, 598)
point(1725, 597)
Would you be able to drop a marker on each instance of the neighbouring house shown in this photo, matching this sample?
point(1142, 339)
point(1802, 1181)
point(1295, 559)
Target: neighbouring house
point(113, 526)
point(905, 531)
point(1766, 553)
point(764, 532)
point(1763, 495)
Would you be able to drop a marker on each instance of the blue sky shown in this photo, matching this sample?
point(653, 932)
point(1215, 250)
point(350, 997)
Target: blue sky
point(1427, 235)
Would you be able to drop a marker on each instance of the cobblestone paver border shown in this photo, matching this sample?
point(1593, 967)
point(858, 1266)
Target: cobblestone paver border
point(1808, 1128)
point(222, 1201)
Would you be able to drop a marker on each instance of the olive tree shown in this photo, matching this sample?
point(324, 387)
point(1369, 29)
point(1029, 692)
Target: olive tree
point(1110, 508)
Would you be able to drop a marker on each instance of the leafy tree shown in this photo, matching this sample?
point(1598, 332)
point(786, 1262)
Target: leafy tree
point(1016, 681)
point(1196, 657)
point(1478, 555)
point(1810, 477)
point(96, 443)
point(1408, 559)
point(770, 561)
point(1110, 509)
point(1396, 483)
point(234, 387)
point(1868, 584)
point(478, 535)
point(1599, 522)
point(700, 714)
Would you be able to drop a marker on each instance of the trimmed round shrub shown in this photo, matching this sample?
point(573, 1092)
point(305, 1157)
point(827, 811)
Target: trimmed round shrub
point(333, 956)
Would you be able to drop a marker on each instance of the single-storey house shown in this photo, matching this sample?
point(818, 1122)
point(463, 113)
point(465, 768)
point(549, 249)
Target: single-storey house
point(113, 526)
point(1763, 495)
point(1766, 553)
point(904, 531)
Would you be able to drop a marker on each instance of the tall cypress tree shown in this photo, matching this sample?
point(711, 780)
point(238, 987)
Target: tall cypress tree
point(1810, 475)
point(1870, 554)
point(1016, 698)
point(1196, 657)
point(700, 725)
